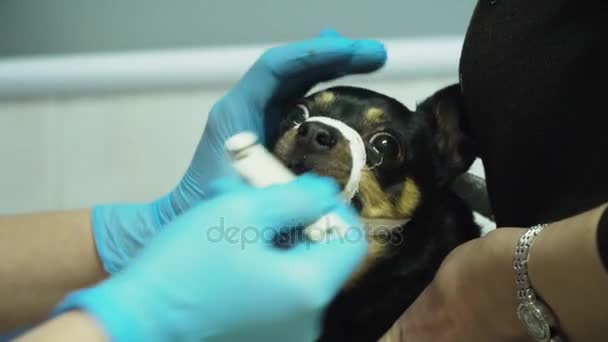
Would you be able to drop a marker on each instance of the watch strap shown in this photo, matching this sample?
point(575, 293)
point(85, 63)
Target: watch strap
point(526, 296)
point(520, 263)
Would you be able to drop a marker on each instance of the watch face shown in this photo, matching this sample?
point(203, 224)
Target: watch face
point(533, 320)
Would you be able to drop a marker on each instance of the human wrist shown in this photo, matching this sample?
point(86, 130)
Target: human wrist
point(119, 310)
point(73, 325)
point(120, 230)
point(179, 200)
point(502, 299)
point(566, 271)
point(602, 238)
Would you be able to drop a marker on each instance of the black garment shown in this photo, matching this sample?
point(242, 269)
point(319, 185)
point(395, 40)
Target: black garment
point(602, 238)
point(533, 75)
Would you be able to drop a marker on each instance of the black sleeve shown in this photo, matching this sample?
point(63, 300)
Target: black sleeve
point(602, 238)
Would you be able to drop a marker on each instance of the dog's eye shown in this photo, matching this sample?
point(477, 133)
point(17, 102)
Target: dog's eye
point(386, 145)
point(301, 115)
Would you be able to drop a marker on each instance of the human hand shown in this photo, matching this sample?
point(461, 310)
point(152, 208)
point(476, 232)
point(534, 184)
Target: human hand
point(472, 297)
point(281, 74)
point(197, 282)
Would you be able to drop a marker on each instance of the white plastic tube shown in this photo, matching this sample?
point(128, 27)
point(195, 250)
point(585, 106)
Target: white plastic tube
point(260, 169)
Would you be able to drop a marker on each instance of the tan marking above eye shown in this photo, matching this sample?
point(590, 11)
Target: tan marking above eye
point(374, 115)
point(324, 99)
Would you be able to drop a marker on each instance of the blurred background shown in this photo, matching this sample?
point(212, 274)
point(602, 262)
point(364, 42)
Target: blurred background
point(104, 101)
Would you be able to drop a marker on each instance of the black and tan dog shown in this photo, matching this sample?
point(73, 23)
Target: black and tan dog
point(411, 159)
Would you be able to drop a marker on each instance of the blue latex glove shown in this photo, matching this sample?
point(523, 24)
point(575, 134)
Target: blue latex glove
point(254, 103)
point(193, 283)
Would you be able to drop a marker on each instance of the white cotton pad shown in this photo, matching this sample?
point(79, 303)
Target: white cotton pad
point(357, 152)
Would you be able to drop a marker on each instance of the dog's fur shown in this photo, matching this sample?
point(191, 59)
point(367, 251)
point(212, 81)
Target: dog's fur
point(410, 166)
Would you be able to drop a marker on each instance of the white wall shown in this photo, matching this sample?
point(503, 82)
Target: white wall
point(34, 27)
point(62, 153)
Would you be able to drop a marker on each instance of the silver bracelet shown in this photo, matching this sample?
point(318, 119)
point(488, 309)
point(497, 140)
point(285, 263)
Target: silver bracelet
point(535, 315)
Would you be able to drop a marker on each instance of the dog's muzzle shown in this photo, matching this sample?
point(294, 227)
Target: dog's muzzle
point(320, 133)
point(322, 137)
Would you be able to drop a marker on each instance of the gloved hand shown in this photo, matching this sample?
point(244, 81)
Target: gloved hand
point(254, 103)
point(213, 275)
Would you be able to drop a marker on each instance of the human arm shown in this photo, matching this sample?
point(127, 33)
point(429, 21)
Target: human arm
point(473, 297)
point(44, 256)
point(567, 272)
point(197, 280)
point(71, 326)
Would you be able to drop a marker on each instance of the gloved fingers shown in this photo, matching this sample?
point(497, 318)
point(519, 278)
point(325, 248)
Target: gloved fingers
point(226, 185)
point(331, 261)
point(329, 32)
point(292, 68)
point(306, 57)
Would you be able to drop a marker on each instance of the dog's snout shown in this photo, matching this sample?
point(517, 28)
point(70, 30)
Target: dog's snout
point(317, 135)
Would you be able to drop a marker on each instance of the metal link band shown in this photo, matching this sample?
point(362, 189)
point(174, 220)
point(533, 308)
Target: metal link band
point(525, 292)
point(520, 263)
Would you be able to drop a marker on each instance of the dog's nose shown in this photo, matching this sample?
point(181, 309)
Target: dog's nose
point(317, 135)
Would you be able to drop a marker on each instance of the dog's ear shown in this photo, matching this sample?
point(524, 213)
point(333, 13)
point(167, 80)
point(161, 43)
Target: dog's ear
point(455, 148)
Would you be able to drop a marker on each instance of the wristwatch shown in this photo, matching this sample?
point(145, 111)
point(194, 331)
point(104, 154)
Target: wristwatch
point(535, 315)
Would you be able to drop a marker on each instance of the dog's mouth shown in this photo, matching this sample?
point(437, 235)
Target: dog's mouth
point(299, 165)
point(336, 165)
point(326, 147)
point(338, 169)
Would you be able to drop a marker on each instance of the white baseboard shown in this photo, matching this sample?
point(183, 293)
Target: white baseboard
point(205, 67)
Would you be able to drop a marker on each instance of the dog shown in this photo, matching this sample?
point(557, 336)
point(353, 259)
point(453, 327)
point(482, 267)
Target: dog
point(410, 160)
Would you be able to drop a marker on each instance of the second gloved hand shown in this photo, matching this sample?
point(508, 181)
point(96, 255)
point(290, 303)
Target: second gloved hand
point(254, 103)
point(196, 281)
